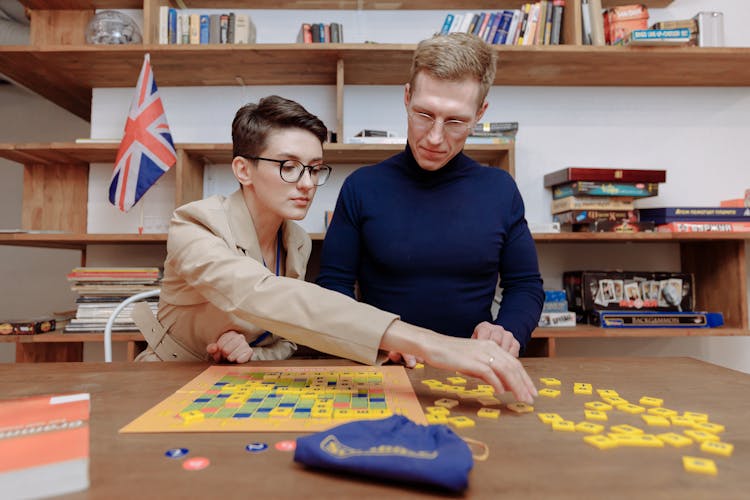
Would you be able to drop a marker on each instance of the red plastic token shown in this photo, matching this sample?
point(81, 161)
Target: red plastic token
point(288, 445)
point(196, 463)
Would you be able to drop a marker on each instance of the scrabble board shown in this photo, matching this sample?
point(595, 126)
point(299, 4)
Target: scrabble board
point(282, 399)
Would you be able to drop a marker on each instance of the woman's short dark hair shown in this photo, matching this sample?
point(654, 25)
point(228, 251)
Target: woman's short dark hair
point(253, 122)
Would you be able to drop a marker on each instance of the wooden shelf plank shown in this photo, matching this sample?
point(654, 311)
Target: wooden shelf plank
point(77, 241)
point(587, 331)
point(56, 153)
point(58, 336)
point(314, 4)
point(66, 74)
point(636, 237)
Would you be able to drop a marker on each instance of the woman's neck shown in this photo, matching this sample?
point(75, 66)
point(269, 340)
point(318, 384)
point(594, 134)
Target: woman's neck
point(267, 226)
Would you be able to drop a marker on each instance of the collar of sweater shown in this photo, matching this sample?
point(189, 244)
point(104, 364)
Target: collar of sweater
point(456, 167)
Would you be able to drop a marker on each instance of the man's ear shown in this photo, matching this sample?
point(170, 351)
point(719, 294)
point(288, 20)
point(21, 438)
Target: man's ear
point(243, 171)
point(407, 88)
point(482, 109)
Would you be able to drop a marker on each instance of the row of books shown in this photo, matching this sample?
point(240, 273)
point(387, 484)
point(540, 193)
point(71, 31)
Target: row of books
point(183, 27)
point(535, 23)
point(321, 33)
point(102, 289)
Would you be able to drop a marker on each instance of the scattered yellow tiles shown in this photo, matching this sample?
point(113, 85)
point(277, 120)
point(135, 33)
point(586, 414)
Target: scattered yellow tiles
point(549, 418)
point(446, 403)
point(626, 429)
point(550, 381)
point(436, 418)
point(674, 439)
point(519, 407)
point(601, 442)
point(589, 428)
point(488, 413)
point(564, 426)
point(699, 465)
point(631, 408)
point(597, 415)
point(696, 417)
point(438, 410)
point(457, 380)
point(717, 448)
point(549, 393)
point(461, 422)
point(597, 405)
point(656, 420)
point(662, 412)
point(582, 388)
point(649, 401)
point(701, 436)
point(709, 427)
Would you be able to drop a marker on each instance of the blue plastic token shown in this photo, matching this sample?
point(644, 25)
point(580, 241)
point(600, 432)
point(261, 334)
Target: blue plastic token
point(256, 447)
point(176, 452)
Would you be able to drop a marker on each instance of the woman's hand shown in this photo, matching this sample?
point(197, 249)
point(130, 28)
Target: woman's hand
point(502, 337)
point(231, 346)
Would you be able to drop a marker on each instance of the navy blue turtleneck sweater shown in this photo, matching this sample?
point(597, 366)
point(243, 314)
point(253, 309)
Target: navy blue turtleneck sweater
point(429, 245)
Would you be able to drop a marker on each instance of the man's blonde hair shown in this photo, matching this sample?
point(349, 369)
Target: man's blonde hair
point(454, 57)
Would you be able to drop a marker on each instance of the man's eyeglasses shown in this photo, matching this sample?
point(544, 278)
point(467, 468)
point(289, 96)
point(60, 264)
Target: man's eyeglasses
point(292, 170)
point(424, 122)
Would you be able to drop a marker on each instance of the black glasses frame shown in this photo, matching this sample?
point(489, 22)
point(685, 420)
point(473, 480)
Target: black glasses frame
point(323, 170)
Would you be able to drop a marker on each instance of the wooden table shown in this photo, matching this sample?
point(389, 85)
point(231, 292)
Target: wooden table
point(527, 459)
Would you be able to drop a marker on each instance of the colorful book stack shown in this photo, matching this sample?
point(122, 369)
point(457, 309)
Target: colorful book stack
point(698, 219)
point(101, 289)
point(601, 199)
point(535, 23)
point(555, 311)
point(493, 133)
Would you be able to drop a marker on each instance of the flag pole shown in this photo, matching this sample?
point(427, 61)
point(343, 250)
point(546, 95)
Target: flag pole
point(140, 223)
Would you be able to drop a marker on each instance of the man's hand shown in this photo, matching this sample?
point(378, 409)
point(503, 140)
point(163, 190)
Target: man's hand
point(231, 346)
point(499, 335)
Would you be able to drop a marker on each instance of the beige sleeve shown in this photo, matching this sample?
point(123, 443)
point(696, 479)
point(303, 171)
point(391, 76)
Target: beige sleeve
point(301, 312)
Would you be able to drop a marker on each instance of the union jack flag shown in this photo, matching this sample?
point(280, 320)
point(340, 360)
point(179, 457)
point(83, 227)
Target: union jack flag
point(146, 150)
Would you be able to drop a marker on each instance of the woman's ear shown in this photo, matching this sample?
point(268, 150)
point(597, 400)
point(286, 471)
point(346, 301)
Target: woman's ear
point(243, 171)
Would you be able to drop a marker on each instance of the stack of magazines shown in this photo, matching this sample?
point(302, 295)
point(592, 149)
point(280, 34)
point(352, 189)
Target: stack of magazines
point(101, 289)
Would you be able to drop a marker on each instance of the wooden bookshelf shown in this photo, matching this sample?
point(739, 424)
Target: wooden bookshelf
point(316, 4)
point(66, 74)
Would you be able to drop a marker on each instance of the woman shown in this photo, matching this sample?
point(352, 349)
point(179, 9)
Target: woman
point(235, 268)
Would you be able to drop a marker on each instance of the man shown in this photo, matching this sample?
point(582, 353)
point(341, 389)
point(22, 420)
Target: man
point(427, 232)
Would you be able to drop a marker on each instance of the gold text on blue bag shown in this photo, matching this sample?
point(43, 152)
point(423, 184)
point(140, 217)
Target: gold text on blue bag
point(332, 446)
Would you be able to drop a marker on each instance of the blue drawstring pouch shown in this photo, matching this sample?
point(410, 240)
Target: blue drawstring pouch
point(393, 448)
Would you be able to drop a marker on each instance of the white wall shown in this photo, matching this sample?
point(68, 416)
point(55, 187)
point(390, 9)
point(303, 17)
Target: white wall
point(698, 134)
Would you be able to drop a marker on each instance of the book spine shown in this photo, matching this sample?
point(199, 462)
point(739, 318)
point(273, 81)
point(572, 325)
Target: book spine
point(172, 22)
point(204, 29)
point(703, 227)
point(214, 28)
point(590, 216)
point(224, 28)
point(513, 28)
point(603, 174)
point(163, 25)
point(502, 30)
point(597, 22)
point(703, 214)
point(591, 203)
point(195, 29)
point(447, 24)
point(637, 190)
point(558, 7)
point(231, 27)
